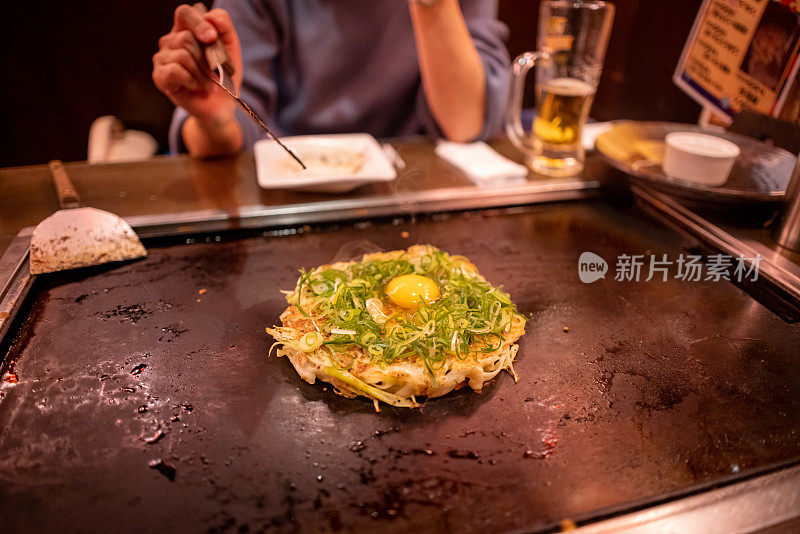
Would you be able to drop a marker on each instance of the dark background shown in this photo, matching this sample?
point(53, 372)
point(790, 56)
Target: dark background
point(66, 63)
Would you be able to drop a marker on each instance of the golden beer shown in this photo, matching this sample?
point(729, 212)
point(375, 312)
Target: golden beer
point(571, 46)
point(563, 109)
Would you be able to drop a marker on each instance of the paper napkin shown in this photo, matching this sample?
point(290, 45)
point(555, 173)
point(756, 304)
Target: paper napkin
point(480, 162)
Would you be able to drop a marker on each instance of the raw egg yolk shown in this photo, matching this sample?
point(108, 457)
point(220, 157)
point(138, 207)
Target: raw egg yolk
point(408, 290)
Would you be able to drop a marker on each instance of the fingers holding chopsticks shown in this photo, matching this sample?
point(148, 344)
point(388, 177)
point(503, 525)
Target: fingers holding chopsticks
point(188, 18)
point(208, 27)
point(180, 68)
point(183, 49)
point(223, 24)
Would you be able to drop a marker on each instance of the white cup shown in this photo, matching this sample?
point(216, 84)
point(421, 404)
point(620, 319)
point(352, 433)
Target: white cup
point(699, 158)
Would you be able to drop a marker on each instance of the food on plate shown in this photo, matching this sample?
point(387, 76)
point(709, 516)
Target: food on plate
point(399, 325)
point(322, 160)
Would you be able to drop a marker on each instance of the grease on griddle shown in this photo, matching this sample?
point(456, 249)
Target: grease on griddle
point(165, 469)
point(173, 332)
point(153, 438)
point(136, 371)
point(392, 500)
point(10, 377)
point(366, 476)
point(549, 442)
point(464, 455)
point(132, 314)
point(381, 433)
point(357, 446)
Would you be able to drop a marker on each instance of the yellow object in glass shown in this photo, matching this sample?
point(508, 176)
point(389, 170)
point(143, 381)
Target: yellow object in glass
point(564, 106)
point(408, 290)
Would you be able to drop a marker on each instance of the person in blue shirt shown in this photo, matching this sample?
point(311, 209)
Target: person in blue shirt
point(385, 67)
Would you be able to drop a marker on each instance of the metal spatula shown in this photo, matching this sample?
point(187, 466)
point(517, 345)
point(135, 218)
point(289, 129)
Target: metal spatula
point(79, 237)
point(222, 75)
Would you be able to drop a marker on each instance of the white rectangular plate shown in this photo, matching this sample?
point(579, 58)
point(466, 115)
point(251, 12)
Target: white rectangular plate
point(361, 161)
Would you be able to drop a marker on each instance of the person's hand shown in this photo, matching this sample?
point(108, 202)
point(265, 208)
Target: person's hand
point(181, 71)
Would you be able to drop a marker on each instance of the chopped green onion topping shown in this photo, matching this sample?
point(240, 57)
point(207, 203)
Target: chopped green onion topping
point(311, 341)
point(348, 303)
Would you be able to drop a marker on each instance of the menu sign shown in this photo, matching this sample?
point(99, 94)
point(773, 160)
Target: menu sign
point(742, 54)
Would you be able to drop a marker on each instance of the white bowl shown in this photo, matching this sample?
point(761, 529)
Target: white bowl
point(700, 158)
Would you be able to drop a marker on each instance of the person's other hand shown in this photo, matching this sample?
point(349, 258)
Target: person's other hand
point(181, 71)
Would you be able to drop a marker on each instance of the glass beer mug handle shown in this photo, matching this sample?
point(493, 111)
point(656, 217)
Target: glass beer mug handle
point(519, 71)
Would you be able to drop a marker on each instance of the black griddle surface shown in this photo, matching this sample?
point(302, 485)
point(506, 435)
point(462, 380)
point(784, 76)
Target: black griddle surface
point(657, 388)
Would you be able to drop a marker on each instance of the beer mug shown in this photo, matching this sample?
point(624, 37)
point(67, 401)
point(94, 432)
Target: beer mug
point(572, 41)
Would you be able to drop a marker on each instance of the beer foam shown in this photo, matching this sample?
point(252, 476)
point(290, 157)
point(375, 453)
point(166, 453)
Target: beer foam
point(569, 87)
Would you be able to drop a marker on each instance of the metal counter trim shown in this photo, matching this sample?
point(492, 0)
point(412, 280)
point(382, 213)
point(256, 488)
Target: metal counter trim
point(746, 506)
point(778, 270)
point(435, 200)
point(16, 279)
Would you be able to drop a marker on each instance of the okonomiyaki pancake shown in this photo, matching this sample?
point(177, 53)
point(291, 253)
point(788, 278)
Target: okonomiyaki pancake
point(397, 326)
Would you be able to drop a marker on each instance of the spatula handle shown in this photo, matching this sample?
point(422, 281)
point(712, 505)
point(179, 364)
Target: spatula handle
point(67, 196)
point(215, 52)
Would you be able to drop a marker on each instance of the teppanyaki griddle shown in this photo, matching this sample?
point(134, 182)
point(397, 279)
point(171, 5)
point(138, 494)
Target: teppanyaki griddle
point(142, 396)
